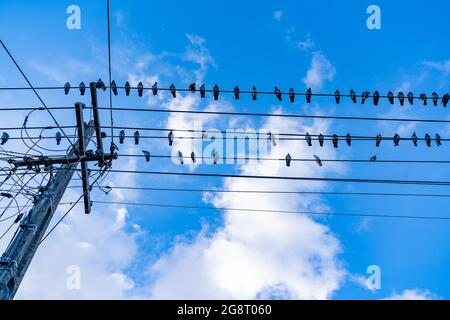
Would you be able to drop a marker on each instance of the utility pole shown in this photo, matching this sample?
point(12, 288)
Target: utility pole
point(20, 252)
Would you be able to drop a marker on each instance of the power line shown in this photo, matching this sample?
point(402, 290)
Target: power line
point(109, 73)
point(278, 211)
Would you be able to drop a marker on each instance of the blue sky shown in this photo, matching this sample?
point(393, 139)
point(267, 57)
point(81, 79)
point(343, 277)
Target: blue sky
point(156, 252)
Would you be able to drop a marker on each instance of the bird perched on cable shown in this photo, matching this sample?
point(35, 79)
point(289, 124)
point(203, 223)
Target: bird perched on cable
point(378, 140)
point(173, 90)
point(318, 161)
point(4, 138)
point(337, 96)
point(193, 158)
point(127, 88)
point(428, 140)
point(155, 88)
point(376, 98)
point(396, 140)
point(58, 138)
point(136, 137)
point(364, 96)
point(438, 140)
point(140, 88)
point(435, 98)
point(146, 155)
point(66, 88)
point(292, 95)
point(401, 98)
point(202, 91)
point(215, 156)
point(82, 87)
point(321, 139)
point(121, 136)
point(411, 98)
point(445, 99)
point(288, 160)
point(308, 95)
point(180, 157)
point(414, 139)
point(390, 97)
point(308, 139)
point(114, 87)
point(353, 95)
point(236, 92)
point(423, 98)
point(216, 92)
point(193, 87)
point(254, 93)
point(100, 85)
point(335, 140)
point(278, 94)
point(373, 158)
point(170, 137)
point(348, 139)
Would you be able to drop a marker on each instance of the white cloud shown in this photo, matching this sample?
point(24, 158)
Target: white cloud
point(441, 66)
point(413, 294)
point(306, 44)
point(260, 255)
point(321, 70)
point(277, 15)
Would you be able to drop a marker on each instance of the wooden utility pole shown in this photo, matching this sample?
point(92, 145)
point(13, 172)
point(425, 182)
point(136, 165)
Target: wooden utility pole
point(19, 253)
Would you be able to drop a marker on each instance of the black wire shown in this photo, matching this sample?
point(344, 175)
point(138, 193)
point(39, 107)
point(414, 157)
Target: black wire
point(109, 70)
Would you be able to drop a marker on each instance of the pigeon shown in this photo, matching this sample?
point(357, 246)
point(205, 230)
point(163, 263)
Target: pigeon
point(180, 157)
point(308, 95)
point(435, 98)
point(203, 91)
point(100, 85)
point(58, 137)
point(390, 97)
point(236, 92)
point(373, 158)
point(136, 137)
point(335, 140)
point(445, 99)
point(216, 92)
point(423, 98)
point(348, 139)
point(414, 139)
point(82, 88)
point(308, 139)
point(278, 94)
point(121, 136)
point(193, 158)
point(337, 96)
point(18, 218)
point(376, 98)
point(173, 90)
point(401, 98)
point(438, 140)
point(127, 88)
point(288, 160)
point(411, 98)
point(146, 155)
point(378, 140)
point(428, 140)
point(396, 140)
point(140, 88)
point(155, 88)
point(365, 96)
point(4, 138)
point(254, 92)
point(170, 137)
point(353, 96)
point(114, 87)
point(192, 87)
point(292, 95)
point(66, 88)
point(318, 161)
point(321, 139)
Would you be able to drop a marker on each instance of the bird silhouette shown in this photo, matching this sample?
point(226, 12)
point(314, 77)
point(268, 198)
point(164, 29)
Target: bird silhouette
point(308, 95)
point(127, 88)
point(82, 88)
point(396, 140)
point(170, 137)
point(114, 87)
point(180, 157)
point(321, 139)
point(365, 96)
point(254, 93)
point(58, 138)
point(353, 96)
point(435, 98)
point(236, 92)
point(337, 96)
point(411, 98)
point(173, 90)
point(203, 91)
point(378, 140)
point(401, 98)
point(335, 140)
point(348, 139)
point(373, 158)
point(390, 97)
point(146, 155)
point(136, 137)
point(216, 92)
point(155, 88)
point(308, 139)
point(423, 98)
point(66, 88)
point(414, 139)
point(376, 98)
point(318, 161)
point(193, 158)
point(292, 95)
point(428, 140)
point(278, 94)
point(140, 88)
point(4, 138)
point(121, 136)
point(438, 140)
point(288, 160)
point(445, 99)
